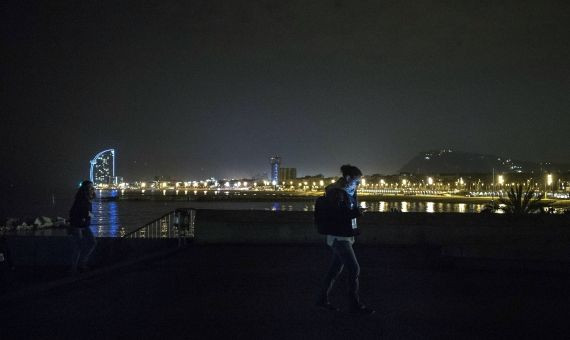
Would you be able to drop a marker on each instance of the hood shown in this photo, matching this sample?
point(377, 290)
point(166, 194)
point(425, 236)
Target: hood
point(339, 184)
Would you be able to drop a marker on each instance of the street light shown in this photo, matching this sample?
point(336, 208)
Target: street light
point(549, 182)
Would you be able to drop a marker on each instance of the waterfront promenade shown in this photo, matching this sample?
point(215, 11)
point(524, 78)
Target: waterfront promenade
point(267, 292)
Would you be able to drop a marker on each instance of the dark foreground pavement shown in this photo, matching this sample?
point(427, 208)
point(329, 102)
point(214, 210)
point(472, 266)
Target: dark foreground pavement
point(268, 292)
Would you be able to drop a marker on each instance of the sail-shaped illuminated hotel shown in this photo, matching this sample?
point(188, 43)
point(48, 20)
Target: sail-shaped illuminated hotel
point(102, 170)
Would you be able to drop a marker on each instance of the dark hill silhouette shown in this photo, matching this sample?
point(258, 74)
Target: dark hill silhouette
point(452, 162)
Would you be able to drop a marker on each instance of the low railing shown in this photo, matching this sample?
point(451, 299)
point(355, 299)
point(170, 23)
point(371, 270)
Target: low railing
point(178, 223)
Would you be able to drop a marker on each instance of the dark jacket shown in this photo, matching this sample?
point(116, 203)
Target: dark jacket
point(339, 221)
point(79, 216)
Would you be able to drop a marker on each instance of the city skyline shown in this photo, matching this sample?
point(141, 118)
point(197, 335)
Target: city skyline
point(277, 174)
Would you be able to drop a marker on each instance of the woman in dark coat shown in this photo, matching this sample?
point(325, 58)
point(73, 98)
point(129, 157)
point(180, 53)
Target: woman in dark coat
point(80, 220)
point(341, 228)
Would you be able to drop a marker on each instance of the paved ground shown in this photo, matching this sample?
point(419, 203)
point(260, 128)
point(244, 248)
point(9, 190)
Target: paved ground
point(268, 292)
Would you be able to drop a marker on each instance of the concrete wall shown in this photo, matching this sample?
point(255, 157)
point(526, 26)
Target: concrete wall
point(469, 235)
point(541, 237)
point(239, 226)
point(244, 226)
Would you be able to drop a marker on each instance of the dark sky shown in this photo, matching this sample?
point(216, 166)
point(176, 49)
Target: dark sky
point(192, 89)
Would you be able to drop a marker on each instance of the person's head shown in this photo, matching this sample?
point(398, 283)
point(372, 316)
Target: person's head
point(86, 191)
point(351, 175)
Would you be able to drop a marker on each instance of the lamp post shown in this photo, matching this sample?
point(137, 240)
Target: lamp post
point(493, 188)
point(548, 182)
point(501, 181)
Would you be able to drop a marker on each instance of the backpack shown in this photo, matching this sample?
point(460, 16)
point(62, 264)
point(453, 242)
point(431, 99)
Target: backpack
point(322, 214)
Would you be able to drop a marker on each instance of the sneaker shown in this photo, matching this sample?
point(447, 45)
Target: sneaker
point(362, 310)
point(327, 306)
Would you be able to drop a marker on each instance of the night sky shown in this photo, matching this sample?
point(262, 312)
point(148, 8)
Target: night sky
point(193, 89)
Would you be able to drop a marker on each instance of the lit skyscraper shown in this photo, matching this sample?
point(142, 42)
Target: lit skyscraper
point(103, 167)
point(274, 174)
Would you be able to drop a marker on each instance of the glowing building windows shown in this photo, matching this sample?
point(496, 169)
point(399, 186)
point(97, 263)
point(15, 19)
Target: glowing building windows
point(102, 170)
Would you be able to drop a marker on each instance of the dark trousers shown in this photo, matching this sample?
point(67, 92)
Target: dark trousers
point(343, 256)
point(84, 244)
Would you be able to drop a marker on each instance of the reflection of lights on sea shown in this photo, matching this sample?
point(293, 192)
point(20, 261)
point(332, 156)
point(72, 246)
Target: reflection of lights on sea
point(461, 207)
point(430, 207)
point(404, 206)
point(113, 218)
point(363, 205)
point(382, 206)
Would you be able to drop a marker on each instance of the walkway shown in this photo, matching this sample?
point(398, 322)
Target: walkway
point(267, 292)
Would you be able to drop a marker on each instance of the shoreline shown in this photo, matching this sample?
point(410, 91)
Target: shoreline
point(309, 197)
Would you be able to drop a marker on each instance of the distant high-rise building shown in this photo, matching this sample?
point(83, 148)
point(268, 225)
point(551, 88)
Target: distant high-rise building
point(274, 173)
point(118, 180)
point(103, 168)
point(286, 174)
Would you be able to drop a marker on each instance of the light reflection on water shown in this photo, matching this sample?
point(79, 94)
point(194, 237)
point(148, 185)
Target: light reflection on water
point(105, 221)
point(115, 218)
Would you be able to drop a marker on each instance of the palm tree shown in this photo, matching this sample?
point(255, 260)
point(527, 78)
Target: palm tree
point(520, 202)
